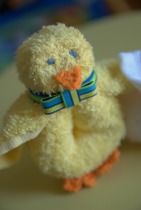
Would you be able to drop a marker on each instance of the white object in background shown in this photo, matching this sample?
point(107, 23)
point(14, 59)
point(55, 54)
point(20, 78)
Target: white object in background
point(130, 63)
point(131, 66)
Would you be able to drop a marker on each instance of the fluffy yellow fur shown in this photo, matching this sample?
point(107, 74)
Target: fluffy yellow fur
point(73, 141)
point(52, 42)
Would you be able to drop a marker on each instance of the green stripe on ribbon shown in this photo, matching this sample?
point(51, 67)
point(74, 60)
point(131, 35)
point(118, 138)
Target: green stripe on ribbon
point(87, 95)
point(54, 108)
point(75, 97)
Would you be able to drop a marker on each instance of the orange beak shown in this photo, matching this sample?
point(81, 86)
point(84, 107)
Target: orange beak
point(70, 79)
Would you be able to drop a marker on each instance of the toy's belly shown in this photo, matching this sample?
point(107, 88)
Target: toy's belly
point(66, 149)
point(131, 105)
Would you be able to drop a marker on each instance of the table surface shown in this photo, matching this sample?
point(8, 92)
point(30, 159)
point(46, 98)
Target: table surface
point(24, 187)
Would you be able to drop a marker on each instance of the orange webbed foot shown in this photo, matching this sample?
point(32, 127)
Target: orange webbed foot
point(89, 180)
point(107, 165)
point(73, 185)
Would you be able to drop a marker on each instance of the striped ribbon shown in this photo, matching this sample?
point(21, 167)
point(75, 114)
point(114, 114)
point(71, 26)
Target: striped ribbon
point(67, 98)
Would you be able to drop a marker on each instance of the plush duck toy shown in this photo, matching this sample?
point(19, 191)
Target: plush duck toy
point(69, 116)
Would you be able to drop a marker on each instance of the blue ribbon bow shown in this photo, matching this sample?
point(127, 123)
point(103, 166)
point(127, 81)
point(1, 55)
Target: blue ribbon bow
point(66, 98)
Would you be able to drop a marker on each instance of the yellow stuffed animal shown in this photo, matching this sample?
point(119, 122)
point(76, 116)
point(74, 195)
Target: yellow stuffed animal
point(69, 115)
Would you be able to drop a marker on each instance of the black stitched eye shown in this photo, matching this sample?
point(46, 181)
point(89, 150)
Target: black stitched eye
point(73, 53)
point(51, 61)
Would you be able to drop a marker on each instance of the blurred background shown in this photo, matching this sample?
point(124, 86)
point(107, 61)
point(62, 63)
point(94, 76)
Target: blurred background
point(20, 18)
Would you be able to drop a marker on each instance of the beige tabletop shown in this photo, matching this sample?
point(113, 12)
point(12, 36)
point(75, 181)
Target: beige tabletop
point(24, 187)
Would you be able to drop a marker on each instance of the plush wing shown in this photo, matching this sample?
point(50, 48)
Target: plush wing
point(115, 78)
point(111, 81)
point(23, 122)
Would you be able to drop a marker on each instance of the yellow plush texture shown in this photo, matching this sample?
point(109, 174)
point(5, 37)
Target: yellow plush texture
point(52, 42)
point(72, 141)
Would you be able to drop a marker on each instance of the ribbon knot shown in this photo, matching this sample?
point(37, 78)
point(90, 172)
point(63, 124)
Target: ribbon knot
point(70, 98)
point(66, 98)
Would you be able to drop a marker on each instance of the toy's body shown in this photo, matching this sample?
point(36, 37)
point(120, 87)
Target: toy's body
point(74, 141)
point(69, 143)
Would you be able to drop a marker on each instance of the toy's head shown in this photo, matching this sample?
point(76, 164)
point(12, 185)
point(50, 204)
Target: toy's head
point(56, 58)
